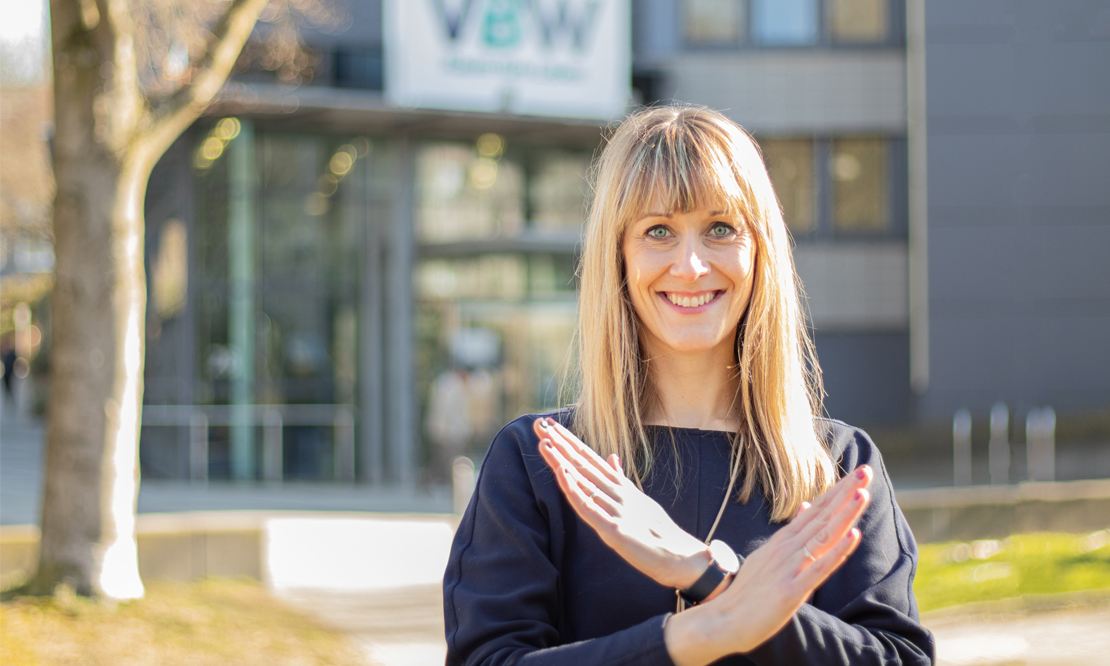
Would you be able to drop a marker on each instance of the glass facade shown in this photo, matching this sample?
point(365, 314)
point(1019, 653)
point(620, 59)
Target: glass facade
point(494, 320)
point(463, 194)
point(272, 307)
point(274, 317)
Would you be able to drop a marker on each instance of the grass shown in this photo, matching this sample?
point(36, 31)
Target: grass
point(199, 623)
point(950, 574)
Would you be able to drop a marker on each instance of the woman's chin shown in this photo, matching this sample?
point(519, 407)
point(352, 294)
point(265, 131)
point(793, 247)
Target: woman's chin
point(693, 345)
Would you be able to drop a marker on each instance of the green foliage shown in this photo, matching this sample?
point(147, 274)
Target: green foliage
point(195, 624)
point(950, 574)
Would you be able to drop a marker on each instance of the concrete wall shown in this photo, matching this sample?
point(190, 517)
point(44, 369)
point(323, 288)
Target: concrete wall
point(855, 286)
point(983, 512)
point(795, 92)
point(1019, 204)
point(286, 550)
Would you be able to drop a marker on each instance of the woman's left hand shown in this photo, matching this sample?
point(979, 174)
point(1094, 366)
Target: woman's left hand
point(627, 520)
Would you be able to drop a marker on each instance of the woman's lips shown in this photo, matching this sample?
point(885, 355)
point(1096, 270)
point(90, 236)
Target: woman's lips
point(690, 303)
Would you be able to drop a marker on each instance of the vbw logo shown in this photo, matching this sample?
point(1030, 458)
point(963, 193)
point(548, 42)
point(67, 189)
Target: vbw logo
point(502, 24)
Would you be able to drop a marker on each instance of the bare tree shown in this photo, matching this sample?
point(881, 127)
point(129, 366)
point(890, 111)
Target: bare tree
point(130, 76)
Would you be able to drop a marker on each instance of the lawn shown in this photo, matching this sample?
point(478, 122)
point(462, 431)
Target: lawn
point(950, 574)
point(195, 624)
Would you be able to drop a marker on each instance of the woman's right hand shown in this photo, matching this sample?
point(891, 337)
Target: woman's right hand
point(775, 580)
point(627, 520)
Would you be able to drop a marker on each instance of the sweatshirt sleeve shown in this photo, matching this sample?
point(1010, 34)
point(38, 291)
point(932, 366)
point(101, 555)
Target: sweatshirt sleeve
point(865, 613)
point(501, 589)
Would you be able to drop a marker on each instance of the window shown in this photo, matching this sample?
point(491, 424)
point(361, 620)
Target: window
point(857, 20)
point(858, 170)
point(557, 191)
point(715, 22)
point(790, 164)
point(466, 191)
point(785, 22)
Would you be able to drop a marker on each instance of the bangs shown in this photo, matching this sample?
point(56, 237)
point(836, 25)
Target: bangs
point(684, 165)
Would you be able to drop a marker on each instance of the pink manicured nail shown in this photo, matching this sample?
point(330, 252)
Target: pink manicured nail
point(861, 473)
point(858, 496)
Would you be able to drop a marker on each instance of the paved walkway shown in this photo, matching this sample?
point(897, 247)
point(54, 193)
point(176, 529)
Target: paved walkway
point(1055, 638)
point(402, 627)
point(405, 628)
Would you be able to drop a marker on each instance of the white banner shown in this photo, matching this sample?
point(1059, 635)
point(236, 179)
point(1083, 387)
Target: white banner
point(569, 58)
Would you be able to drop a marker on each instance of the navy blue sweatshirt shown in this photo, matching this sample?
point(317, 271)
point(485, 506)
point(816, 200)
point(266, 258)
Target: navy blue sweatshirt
point(528, 582)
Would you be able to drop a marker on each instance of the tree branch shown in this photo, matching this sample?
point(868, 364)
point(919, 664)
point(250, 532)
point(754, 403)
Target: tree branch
point(221, 52)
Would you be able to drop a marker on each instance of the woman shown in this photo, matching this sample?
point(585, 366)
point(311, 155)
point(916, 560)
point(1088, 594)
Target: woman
point(699, 392)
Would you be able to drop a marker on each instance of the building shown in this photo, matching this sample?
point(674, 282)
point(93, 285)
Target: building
point(333, 270)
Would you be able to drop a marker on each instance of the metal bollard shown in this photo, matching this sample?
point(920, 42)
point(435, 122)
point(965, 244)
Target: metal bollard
point(272, 448)
point(961, 448)
point(198, 447)
point(999, 451)
point(344, 434)
point(1040, 444)
point(462, 481)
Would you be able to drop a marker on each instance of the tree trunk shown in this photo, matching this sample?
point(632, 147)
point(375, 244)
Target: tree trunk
point(107, 140)
point(99, 302)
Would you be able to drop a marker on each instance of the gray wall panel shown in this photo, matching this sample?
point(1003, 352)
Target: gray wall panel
point(1019, 204)
point(867, 376)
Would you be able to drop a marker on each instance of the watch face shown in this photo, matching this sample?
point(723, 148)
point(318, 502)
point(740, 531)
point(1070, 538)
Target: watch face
point(724, 556)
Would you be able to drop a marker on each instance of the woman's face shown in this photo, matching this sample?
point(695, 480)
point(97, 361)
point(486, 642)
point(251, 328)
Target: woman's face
point(690, 278)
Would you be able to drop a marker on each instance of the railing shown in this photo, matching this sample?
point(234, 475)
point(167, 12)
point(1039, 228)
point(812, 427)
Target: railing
point(272, 418)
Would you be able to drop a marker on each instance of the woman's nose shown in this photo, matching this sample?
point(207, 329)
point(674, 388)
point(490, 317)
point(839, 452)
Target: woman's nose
point(689, 265)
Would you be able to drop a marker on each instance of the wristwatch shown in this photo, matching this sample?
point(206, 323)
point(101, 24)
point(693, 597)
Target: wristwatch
point(724, 563)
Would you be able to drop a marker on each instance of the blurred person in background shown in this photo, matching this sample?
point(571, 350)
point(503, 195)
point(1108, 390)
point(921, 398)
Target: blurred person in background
point(7, 349)
point(705, 519)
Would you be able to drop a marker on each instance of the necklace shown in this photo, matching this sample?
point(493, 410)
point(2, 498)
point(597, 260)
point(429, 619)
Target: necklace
point(734, 464)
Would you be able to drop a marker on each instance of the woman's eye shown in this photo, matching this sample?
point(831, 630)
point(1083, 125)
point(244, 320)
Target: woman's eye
point(658, 232)
point(721, 229)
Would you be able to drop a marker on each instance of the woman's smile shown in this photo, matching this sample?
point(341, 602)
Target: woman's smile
point(691, 303)
point(689, 277)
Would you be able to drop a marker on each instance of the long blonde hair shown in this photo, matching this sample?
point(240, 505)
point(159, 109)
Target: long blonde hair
point(684, 157)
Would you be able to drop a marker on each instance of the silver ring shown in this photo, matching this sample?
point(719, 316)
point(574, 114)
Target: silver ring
point(594, 495)
point(809, 555)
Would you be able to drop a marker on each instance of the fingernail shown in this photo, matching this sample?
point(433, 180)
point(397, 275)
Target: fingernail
point(858, 496)
point(861, 473)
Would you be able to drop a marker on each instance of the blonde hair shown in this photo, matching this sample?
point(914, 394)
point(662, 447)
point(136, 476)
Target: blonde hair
point(686, 157)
